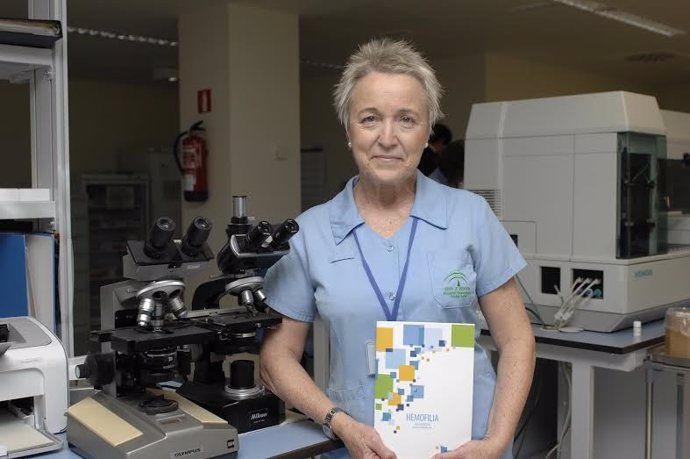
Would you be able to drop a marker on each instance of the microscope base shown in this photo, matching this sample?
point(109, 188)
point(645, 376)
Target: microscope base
point(262, 410)
point(105, 427)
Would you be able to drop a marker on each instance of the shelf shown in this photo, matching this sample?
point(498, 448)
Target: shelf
point(16, 60)
point(21, 210)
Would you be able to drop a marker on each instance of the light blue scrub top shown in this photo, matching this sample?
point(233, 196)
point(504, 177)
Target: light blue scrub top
point(323, 274)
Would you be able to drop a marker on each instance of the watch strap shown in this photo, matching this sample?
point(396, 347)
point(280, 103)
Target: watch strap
point(327, 429)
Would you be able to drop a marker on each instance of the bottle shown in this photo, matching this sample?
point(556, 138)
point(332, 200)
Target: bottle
point(637, 328)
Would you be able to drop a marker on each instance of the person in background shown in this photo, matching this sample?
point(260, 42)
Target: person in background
point(451, 166)
point(439, 138)
point(392, 229)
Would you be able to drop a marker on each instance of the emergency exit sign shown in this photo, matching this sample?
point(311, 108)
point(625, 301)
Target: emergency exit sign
point(203, 101)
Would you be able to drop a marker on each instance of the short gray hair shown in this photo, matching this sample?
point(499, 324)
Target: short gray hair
point(386, 56)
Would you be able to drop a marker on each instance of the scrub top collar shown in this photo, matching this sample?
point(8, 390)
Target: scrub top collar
point(428, 205)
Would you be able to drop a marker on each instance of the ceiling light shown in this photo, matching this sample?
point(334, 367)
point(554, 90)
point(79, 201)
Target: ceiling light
point(122, 36)
point(165, 74)
point(606, 11)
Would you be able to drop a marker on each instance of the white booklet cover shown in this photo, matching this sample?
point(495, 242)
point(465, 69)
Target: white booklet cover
point(423, 388)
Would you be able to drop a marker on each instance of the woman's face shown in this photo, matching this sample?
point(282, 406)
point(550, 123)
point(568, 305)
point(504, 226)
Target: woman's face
point(388, 127)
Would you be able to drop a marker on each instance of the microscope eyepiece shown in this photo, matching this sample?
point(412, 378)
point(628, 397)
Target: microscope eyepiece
point(256, 236)
point(196, 236)
point(159, 237)
point(284, 232)
point(239, 207)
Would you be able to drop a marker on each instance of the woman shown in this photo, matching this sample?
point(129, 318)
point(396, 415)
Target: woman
point(390, 226)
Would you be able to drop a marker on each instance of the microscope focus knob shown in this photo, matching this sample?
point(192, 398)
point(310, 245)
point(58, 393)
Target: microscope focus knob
point(82, 371)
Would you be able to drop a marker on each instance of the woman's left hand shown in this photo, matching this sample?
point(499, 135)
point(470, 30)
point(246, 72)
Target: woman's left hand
point(473, 449)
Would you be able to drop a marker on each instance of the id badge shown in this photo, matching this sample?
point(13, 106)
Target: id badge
point(371, 357)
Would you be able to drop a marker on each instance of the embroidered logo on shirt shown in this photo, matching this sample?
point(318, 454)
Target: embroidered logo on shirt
point(456, 285)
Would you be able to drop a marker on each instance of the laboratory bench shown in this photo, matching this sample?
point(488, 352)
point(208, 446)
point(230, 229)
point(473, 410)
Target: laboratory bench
point(296, 438)
point(585, 351)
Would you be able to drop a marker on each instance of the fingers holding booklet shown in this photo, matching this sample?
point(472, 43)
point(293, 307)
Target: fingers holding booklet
point(362, 440)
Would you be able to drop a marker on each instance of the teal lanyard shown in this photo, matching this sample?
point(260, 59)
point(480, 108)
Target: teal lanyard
point(390, 315)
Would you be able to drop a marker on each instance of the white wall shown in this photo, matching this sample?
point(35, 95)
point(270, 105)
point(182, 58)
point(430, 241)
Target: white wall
point(264, 110)
point(208, 30)
point(249, 58)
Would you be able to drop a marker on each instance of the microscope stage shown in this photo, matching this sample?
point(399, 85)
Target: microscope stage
point(137, 339)
point(243, 318)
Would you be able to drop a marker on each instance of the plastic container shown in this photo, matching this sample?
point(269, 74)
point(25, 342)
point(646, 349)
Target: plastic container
point(677, 324)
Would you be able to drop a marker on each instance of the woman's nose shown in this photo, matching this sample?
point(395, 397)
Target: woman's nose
point(387, 136)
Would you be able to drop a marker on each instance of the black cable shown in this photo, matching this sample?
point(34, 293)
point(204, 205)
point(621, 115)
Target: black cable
point(534, 312)
point(539, 377)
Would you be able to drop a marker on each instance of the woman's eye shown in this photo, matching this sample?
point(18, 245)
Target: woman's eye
point(370, 119)
point(407, 121)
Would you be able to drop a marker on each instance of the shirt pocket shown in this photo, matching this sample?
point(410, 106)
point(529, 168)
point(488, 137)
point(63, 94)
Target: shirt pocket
point(453, 280)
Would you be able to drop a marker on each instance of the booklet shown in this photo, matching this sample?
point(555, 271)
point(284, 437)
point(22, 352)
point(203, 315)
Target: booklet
point(423, 388)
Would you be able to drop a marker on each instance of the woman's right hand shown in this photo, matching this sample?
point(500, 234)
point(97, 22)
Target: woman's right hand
point(361, 440)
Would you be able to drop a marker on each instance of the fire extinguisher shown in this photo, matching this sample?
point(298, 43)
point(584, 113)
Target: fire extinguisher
point(194, 162)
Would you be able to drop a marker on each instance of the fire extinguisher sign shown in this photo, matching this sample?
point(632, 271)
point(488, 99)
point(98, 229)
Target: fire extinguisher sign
point(203, 101)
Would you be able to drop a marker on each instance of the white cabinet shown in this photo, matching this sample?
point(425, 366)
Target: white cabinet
point(22, 210)
point(16, 62)
point(23, 204)
point(46, 71)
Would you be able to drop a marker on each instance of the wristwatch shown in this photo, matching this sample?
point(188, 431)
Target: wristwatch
point(326, 425)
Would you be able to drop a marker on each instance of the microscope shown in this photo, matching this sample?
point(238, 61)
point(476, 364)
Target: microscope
point(147, 340)
point(248, 253)
point(155, 271)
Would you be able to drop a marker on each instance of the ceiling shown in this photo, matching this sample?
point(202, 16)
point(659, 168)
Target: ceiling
point(329, 30)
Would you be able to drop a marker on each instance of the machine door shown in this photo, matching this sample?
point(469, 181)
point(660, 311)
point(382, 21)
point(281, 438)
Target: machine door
point(640, 231)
